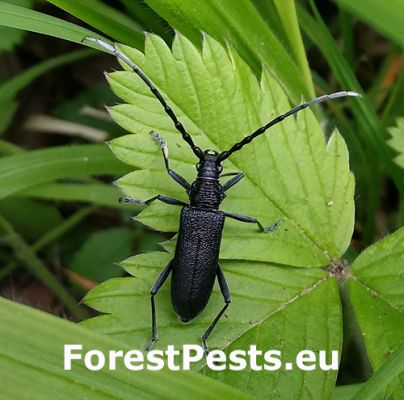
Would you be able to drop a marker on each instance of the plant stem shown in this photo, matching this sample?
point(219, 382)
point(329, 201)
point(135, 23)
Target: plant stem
point(287, 13)
point(50, 237)
point(27, 254)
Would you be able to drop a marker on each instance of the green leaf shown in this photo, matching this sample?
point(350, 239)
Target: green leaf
point(383, 376)
point(397, 141)
point(150, 21)
point(37, 267)
point(31, 361)
point(31, 219)
point(290, 173)
point(371, 129)
point(290, 309)
point(287, 12)
point(33, 21)
point(346, 392)
point(95, 193)
point(297, 325)
point(387, 18)
point(9, 107)
point(26, 170)
point(240, 24)
point(10, 88)
point(96, 258)
point(376, 291)
point(105, 19)
point(12, 37)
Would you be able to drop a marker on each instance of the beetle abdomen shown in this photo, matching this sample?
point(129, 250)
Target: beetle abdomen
point(195, 261)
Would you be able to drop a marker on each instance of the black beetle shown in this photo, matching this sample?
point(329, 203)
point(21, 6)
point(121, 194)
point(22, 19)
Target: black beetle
point(195, 265)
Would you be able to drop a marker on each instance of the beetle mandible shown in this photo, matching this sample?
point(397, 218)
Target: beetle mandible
point(195, 264)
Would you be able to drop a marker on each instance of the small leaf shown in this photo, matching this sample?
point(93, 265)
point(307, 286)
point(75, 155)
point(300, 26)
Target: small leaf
point(377, 295)
point(30, 218)
point(96, 258)
point(397, 141)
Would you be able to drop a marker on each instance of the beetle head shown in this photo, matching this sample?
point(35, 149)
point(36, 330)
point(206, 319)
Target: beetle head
point(209, 166)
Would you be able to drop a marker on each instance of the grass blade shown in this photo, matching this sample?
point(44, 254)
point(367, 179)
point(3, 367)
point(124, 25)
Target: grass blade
point(240, 24)
point(11, 87)
point(34, 21)
point(287, 13)
point(104, 18)
point(372, 130)
point(25, 252)
point(385, 17)
point(22, 171)
point(51, 236)
point(32, 363)
point(94, 193)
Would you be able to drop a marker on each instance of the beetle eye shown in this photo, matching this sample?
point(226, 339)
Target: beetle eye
point(198, 166)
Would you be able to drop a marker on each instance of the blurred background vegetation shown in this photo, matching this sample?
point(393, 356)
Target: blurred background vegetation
point(62, 227)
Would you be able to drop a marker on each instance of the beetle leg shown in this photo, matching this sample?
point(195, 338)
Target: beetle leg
point(245, 218)
point(160, 197)
point(154, 290)
point(229, 174)
point(164, 149)
point(227, 299)
point(231, 182)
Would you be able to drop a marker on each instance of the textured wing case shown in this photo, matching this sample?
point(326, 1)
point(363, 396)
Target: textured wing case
point(195, 261)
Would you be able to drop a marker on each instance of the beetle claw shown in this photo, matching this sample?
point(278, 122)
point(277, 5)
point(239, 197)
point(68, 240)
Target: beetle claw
point(205, 347)
point(151, 343)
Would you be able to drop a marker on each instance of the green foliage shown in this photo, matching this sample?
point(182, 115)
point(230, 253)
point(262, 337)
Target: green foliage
point(96, 257)
point(390, 370)
point(94, 193)
point(397, 141)
point(12, 37)
point(31, 218)
point(25, 170)
point(387, 17)
point(376, 291)
point(240, 24)
point(31, 351)
point(219, 102)
point(292, 173)
point(101, 16)
point(29, 20)
point(10, 89)
point(370, 125)
point(311, 204)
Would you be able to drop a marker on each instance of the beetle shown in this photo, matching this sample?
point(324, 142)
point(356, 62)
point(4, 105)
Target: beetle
point(195, 265)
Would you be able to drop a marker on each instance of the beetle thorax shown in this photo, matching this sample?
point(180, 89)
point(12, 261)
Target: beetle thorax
point(206, 191)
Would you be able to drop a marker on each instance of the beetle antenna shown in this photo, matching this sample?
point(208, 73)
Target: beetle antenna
point(178, 125)
point(222, 156)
